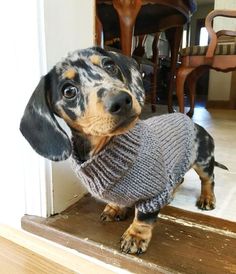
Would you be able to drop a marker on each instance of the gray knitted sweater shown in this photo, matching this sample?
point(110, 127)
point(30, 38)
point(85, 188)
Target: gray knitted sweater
point(142, 166)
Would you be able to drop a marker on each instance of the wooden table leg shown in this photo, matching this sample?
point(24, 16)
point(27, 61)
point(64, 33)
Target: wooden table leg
point(174, 36)
point(127, 11)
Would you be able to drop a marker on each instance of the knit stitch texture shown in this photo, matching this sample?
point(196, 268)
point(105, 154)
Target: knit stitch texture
point(142, 166)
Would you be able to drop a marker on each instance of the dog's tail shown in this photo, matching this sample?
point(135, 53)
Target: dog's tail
point(220, 165)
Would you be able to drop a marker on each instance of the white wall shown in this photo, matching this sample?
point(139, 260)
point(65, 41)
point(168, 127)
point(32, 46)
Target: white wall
point(69, 25)
point(219, 82)
point(20, 71)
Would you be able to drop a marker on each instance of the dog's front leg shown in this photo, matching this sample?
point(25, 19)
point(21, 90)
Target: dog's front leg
point(113, 212)
point(137, 237)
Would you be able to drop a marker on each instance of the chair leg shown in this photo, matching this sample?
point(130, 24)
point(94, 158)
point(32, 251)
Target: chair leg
point(182, 74)
point(192, 82)
point(153, 98)
point(173, 36)
point(99, 33)
point(155, 60)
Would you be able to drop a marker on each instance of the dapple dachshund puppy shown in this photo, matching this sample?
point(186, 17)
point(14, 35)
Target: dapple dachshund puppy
point(121, 159)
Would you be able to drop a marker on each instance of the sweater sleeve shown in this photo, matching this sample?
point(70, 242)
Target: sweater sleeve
point(156, 203)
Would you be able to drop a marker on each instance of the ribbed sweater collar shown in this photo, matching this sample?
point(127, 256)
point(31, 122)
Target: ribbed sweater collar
point(109, 166)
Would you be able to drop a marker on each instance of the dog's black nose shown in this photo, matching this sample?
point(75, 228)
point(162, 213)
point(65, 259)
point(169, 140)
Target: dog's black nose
point(120, 103)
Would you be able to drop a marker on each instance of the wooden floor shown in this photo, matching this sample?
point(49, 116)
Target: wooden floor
point(183, 242)
point(15, 259)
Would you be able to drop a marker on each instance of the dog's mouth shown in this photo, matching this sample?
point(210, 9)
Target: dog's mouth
point(125, 124)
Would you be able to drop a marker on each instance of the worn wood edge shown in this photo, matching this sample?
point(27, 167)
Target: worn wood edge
point(193, 225)
point(198, 218)
point(65, 257)
point(38, 226)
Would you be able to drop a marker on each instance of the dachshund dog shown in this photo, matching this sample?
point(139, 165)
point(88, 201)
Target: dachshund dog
point(99, 94)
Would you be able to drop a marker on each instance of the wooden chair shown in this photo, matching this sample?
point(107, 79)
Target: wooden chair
point(197, 59)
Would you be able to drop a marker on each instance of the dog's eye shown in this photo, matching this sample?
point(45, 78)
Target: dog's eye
point(110, 67)
point(69, 91)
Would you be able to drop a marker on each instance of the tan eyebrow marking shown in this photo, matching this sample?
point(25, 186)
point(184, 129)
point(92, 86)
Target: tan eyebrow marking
point(70, 73)
point(95, 59)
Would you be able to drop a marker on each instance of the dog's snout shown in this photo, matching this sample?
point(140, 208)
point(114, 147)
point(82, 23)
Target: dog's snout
point(120, 103)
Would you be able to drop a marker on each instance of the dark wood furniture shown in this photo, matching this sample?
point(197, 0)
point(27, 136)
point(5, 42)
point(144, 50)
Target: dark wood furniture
point(125, 18)
point(196, 60)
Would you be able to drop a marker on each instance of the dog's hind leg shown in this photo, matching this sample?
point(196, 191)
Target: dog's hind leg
point(207, 200)
point(113, 212)
point(204, 166)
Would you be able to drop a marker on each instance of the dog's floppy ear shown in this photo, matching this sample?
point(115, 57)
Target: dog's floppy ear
point(40, 127)
point(131, 72)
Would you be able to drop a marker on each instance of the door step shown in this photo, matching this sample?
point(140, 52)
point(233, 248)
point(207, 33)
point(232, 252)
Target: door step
point(182, 242)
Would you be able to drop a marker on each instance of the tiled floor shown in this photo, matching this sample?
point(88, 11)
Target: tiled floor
point(221, 124)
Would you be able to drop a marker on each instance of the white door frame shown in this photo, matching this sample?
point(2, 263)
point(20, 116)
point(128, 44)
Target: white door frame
point(63, 27)
point(38, 178)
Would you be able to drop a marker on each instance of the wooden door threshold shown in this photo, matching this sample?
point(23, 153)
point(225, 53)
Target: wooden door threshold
point(183, 242)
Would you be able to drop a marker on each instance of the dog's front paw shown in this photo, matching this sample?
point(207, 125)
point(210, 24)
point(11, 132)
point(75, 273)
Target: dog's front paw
point(113, 212)
point(206, 202)
point(136, 239)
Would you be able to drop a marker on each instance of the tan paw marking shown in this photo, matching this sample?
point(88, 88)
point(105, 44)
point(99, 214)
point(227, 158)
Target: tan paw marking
point(113, 212)
point(206, 202)
point(136, 238)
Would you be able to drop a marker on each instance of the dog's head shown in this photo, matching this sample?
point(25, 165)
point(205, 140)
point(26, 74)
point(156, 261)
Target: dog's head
point(97, 92)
